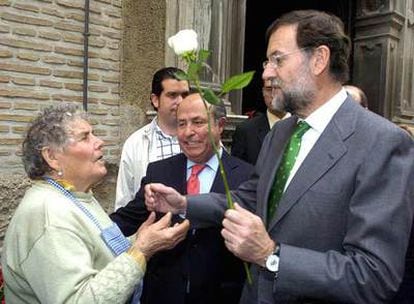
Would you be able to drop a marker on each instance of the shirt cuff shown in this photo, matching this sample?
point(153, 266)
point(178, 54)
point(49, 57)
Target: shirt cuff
point(138, 257)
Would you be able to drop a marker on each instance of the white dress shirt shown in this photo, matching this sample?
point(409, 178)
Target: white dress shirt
point(272, 118)
point(208, 174)
point(317, 120)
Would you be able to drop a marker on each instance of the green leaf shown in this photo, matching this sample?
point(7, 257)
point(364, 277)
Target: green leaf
point(210, 97)
point(203, 55)
point(237, 82)
point(193, 70)
point(181, 75)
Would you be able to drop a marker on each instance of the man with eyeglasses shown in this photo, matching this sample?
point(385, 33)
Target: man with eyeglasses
point(326, 216)
point(249, 135)
point(154, 141)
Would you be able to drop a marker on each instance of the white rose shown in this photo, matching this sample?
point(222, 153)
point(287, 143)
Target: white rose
point(183, 41)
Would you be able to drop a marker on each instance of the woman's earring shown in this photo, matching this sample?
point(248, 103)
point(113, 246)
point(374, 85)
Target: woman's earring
point(60, 173)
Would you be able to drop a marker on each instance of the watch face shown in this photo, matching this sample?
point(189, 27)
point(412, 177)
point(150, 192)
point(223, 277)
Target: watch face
point(272, 263)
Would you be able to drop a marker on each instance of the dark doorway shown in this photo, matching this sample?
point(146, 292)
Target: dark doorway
point(259, 15)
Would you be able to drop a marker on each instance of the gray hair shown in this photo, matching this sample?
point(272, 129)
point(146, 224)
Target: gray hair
point(49, 129)
point(218, 111)
point(357, 94)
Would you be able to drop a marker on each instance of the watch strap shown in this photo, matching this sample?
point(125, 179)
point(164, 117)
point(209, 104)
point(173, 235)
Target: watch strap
point(273, 259)
point(277, 249)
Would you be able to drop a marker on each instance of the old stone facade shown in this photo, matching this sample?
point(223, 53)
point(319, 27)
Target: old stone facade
point(41, 63)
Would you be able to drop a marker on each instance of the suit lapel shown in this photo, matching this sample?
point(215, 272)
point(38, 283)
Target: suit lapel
point(218, 185)
point(178, 173)
point(329, 148)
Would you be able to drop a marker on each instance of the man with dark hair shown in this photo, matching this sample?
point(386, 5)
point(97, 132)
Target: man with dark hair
point(200, 270)
point(154, 141)
point(326, 215)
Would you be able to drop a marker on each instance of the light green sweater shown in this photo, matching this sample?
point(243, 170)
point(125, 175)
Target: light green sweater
point(54, 254)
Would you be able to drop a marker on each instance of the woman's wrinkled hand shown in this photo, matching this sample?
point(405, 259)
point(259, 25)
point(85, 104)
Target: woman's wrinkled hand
point(161, 198)
point(156, 236)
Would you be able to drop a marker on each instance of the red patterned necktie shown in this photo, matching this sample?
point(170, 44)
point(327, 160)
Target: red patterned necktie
point(193, 183)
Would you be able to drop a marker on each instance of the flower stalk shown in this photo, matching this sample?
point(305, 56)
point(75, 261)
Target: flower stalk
point(185, 46)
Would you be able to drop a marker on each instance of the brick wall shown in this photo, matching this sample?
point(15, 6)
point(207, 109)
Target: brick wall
point(41, 58)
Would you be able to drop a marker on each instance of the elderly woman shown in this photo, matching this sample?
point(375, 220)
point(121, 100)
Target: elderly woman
point(61, 247)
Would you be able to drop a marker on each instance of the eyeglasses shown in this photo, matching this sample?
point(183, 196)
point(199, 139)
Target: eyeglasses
point(276, 61)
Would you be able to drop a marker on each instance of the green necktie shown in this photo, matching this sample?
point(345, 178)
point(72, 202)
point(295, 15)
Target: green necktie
point(286, 165)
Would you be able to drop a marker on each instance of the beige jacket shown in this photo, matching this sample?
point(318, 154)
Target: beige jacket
point(53, 253)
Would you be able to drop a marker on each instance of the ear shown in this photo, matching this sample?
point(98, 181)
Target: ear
point(49, 156)
point(320, 60)
point(155, 100)
point(221, 123)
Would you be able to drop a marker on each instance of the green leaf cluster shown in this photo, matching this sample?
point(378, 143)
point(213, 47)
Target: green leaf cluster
point(196, 61)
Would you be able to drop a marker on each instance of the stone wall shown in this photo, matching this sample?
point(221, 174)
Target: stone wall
point(12, 189)
point(143, 54)
point(41, 57)
point(41, 63)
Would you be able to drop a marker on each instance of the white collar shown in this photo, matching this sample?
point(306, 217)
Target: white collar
point(320, 118)
point(212, 163)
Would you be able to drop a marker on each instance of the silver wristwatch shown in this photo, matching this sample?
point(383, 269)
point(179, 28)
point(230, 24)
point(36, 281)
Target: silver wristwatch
point(272, 261)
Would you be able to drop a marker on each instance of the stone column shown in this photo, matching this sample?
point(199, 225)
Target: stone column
point(378, 45)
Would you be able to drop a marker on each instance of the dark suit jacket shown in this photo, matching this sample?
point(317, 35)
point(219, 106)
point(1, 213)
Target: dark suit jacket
point(201, 263)
point(248, 138)
point(344, 220)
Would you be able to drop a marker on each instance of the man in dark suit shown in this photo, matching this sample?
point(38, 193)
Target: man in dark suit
point(200, 269)
point(327, 213)
point(249, 135)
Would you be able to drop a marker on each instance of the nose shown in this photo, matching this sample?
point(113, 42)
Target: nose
point(269, 72)
point(189, 130)
point(179, 99)
point(98, 143)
